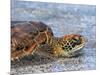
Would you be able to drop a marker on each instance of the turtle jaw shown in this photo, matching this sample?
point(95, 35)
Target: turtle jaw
point(75, 51)
point(68, 46)
point(59, 51)
point(78, 49)
point(74, 48)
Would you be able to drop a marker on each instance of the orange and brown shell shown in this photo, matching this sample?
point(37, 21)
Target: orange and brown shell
point(26, 37)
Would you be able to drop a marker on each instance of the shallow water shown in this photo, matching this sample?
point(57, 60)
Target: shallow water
point(63, 19)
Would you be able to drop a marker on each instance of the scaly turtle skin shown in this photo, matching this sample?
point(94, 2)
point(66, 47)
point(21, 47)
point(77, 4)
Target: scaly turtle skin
point(28, 37)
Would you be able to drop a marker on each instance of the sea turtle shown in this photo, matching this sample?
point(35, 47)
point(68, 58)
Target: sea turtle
point(28, 36)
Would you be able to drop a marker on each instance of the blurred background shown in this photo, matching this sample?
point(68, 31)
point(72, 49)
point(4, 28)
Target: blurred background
point(63, 19)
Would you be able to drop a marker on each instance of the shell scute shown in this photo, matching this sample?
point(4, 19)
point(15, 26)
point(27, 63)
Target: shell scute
point(26, 37)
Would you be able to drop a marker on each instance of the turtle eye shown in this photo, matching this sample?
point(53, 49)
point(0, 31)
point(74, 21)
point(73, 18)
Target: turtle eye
point(77, 41)
point(73, 45)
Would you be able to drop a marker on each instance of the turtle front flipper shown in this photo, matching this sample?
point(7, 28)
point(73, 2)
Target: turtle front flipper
point(19, 53)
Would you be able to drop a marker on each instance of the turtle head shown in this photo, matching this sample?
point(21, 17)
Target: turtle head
point(71, 45)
